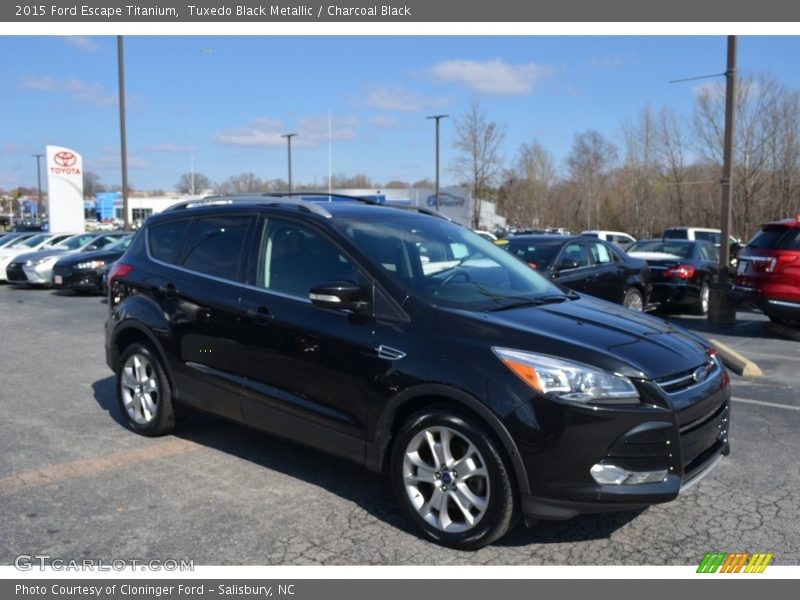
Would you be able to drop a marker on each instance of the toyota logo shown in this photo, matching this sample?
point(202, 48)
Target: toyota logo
point(65, 159)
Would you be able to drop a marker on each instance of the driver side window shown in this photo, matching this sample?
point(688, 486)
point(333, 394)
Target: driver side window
point(575, 251)
point(294, 258)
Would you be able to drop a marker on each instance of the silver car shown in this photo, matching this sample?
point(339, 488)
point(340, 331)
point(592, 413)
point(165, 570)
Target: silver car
point(36, 268)
point(41, 241)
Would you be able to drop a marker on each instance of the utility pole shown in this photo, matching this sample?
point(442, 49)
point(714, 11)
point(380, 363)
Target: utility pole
point(122, 139)
point(38, 158)
point(721, 307)
point(437, 118)
point(289, 137)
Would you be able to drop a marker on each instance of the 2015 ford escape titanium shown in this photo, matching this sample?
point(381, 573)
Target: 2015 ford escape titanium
point(411, 345)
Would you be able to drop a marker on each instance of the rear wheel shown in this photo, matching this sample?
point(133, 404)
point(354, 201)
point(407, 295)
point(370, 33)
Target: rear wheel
point(451, 479)
point(701, 307)
point(633, 299)
point(143, 391)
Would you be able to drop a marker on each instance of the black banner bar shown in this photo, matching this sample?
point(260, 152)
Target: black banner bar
point(397, 11)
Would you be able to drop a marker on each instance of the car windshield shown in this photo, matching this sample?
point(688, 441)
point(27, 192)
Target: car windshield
point(448, 265)
point(678, 250)
point(11, 240)
point(32, 242)
point(75, 242)
point(120, 244)
point(535, 253)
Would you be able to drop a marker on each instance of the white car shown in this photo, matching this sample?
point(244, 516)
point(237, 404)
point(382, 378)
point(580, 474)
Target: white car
point(696, 233)
point(618, 238)
point(41, 241)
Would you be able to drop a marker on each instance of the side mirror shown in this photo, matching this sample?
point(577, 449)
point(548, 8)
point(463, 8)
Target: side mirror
point(338, 295)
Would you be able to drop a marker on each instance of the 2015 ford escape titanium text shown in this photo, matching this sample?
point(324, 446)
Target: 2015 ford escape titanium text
point(406, 343)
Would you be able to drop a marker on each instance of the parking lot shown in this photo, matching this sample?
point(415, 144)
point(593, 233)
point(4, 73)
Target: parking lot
point(75, 483)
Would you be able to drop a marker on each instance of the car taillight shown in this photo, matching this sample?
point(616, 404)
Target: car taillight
point(680, 271)
point(117, 271)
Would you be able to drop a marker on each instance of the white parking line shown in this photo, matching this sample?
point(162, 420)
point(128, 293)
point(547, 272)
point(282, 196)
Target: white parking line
point(762, 403)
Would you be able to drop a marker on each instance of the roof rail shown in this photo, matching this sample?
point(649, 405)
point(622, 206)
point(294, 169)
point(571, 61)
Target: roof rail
point(280, 200)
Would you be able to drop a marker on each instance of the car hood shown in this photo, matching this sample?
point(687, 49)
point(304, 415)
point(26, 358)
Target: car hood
point(42, 254)
point(590, 331)
point(79, 257)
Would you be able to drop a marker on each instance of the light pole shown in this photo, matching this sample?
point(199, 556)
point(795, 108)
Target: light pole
point(38, 158)
point(289, 137)
point(437, 118)
point(122, 140)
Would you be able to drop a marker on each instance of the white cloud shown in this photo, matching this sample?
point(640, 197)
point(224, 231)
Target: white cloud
point(168, 148)
point(400, 99)
point(609, 61)
point(384, 122)
point(490, 77)
point(93, 94)
point(81, 42)
point(111, 159)
point(268, 132)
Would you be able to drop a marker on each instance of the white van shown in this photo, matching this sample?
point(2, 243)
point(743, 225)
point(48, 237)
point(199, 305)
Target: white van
point(618, 238)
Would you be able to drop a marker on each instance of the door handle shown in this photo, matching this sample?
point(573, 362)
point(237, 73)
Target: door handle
point(168, 290)
point(259, 314)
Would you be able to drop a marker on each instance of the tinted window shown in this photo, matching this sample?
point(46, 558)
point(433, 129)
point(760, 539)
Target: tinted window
point(296, 258)
point(216, 246)
point(577, 252)
point(776, 236)
point(165, 241)
point(708, 236)
point(534, 253)
point(675, 234)
point(600, 253)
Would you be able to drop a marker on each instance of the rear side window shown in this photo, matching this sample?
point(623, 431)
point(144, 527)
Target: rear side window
point(600, 253)
point(216, 246)
point(708, 236)
point(776, 236)
point(165, 241)
point(676, 234)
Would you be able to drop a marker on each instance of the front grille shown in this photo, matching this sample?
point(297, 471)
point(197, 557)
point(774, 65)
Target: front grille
point(703, 438)
point(679, 382)
point(645, 448)
point(14, 272)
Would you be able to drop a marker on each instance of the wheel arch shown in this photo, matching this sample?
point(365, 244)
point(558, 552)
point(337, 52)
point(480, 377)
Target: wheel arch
point(130, 332)
point(404, 405)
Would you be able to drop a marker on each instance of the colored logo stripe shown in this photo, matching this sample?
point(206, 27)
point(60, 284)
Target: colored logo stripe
point(734, 562)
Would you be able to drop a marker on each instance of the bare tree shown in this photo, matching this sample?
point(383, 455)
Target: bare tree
point(193, 183)
point(242, 183)
point(478, 161)
point(641, 169)
point(91, 184)
point(534, 172)
point(589, 164)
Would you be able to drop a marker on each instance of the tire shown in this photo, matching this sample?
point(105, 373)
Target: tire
point(480, 505)
point(633, 299)
point(144, 392)
point(701, 308)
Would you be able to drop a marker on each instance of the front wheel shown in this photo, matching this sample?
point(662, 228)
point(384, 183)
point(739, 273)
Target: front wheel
point(633, 300)
point(143, 391)
point(451, 479)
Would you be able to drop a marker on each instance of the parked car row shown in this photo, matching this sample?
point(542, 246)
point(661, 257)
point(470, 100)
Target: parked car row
point(61, 260)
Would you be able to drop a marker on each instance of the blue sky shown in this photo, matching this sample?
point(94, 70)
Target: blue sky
point(230, 98)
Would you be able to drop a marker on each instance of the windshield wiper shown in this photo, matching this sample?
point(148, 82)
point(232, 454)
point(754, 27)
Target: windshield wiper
point(537, 301)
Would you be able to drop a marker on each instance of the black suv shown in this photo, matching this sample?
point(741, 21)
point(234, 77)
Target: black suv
point(408, 344)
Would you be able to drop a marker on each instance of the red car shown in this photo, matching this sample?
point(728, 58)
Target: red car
point(768, 274)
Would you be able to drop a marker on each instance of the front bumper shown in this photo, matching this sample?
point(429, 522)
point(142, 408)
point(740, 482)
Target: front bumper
point(70, 278)
point(678, 429)
point(39, 274)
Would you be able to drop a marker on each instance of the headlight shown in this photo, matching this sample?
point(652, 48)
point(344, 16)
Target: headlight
point(41, 261)
point(90, 264)
point(568, 380)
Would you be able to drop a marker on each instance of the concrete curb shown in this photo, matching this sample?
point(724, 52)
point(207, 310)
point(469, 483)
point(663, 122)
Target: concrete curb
point(784, 330)
point(737, 363)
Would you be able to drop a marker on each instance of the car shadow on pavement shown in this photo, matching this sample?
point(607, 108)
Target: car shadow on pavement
point(370, 491)
point(748, 324)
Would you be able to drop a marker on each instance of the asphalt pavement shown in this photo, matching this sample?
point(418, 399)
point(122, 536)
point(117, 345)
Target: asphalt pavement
point(75, 483)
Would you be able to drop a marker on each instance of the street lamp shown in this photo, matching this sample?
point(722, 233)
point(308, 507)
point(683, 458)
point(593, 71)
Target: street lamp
point(39, 180)
point(289, 137)
point(438, 118)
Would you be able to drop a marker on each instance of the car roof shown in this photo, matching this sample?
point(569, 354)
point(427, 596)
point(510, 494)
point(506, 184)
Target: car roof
point(302, 202)
point(795, 222)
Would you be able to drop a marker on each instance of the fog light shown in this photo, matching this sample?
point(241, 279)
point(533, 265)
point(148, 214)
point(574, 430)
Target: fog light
point(614, 475)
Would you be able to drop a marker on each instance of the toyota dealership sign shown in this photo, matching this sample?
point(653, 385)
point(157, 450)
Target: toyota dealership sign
point(65, 189)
